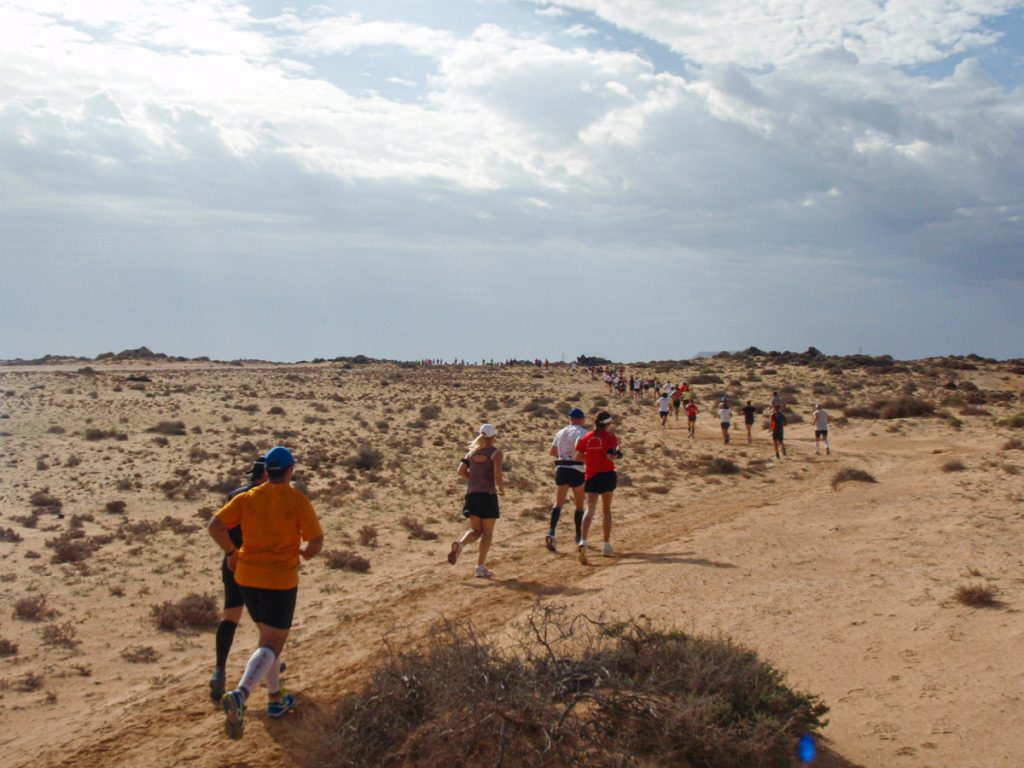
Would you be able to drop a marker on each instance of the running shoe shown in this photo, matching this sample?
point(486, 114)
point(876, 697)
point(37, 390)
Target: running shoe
point(549, 542)
point(217, 684)
point(482, 572)
point(456, 550)
point(606, 550)
point(582, 557)
point(233, 704)
point(282, 706)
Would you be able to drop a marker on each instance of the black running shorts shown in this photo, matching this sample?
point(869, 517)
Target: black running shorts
point(232, 592)
point(568, 476)
point(273, 607)
point(482, 505)
point(603, 483)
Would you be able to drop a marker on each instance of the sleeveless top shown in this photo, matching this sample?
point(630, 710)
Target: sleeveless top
point(481, 474)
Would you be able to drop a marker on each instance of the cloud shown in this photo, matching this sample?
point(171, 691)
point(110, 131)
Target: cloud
point(197, 137)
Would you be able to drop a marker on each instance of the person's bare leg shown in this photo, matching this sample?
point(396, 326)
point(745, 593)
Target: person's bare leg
point(486, 537)
point(606, 516)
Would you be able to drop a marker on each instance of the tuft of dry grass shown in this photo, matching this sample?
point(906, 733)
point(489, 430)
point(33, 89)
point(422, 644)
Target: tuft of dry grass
point(194, 611)
point(140, 654)
point(416, 529)
point(32, 608)
point(977, 596)
point(60, 635)
point(8, 647)
point(346, 560)
point(954, 465)
point(848, 474)
point(176, 428)
point(368, 536)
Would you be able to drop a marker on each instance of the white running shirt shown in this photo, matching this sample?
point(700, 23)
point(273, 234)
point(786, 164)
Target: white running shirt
point(565, 442)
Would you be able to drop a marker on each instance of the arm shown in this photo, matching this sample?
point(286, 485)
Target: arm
point(464, 467)
point(219, 533)
point(312, 548)
point(499, 478)
point(553, 451)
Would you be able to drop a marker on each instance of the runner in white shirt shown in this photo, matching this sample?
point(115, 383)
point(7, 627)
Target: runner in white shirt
point(664, 406)
point(725, 417)
point(568, 473)
point(820, 417)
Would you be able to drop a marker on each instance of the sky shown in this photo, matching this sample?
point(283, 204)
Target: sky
point(634, 179)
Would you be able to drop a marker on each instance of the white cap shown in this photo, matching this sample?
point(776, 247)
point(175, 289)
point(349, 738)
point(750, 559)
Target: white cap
point(488, 430)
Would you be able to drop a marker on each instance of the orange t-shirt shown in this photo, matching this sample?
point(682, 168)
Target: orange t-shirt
point(275, 520)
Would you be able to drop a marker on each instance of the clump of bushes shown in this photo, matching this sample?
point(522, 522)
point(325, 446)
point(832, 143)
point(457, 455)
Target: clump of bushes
point(168, 428)
point(193, 611)
point(954, 465)
point(346, 560)
point(905, 407)
point(45, 501)
point(572, 692)
point(416, 529)
point(977, 596)
point(368, 536)
point(60, 635)
point(848, 474)
point(32, 608)
point(140, 654)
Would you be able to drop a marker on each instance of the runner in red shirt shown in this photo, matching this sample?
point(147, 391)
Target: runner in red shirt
point(691, 418)
point(596, 449)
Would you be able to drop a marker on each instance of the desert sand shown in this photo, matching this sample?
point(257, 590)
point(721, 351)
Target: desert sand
point(851, 589)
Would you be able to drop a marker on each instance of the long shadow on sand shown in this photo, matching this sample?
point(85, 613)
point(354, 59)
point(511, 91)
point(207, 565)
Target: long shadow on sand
point(537, 588)
point(669, 558)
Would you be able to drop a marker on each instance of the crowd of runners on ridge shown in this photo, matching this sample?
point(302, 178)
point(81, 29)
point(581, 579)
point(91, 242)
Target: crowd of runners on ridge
point(267, 526)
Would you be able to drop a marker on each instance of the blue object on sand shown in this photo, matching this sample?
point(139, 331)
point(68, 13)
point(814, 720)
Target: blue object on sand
point(808, 750)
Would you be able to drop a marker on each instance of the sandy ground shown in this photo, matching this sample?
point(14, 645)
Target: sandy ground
point(850, 590)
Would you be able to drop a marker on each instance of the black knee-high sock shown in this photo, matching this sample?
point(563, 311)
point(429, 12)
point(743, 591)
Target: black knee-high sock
point(577, 518)
point(556, 512)
point(225, 636)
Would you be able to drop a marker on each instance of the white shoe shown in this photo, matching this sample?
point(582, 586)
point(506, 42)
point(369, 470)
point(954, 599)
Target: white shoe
point(582, 556)
point(482, 572)
point(606, 550)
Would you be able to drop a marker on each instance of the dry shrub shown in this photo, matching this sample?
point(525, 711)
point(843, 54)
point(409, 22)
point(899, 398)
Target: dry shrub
point(44, 500)
point(1013, 444)
point(860, 412)
point(977, 596)
point(954, 465)
point(72, 546)
point(8, 647)
point(177, 526)
point(416, 529)
point(194, 611)
point(346, 560)
point(32, 608)
point(29, 682)
point(368, 536)
point(116, 507)
point(720, 466)
point(1014, 422)
point(169, 428)
point(430, 412)
point(904, 407)
point(365, 458)
point(10, 535)
point(60, 635)
point(847, 474)
point(571, 693)
point(140, 654)
point(94, 433)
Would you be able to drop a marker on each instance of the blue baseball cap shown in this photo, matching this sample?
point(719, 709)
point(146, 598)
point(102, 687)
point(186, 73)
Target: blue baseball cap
point(279, 458)
point(576, 413)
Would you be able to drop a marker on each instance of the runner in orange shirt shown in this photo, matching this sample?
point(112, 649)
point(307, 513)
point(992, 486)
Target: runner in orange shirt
point(275, 520)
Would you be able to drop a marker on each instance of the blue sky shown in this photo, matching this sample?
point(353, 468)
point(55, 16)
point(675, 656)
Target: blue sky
point(639, 179)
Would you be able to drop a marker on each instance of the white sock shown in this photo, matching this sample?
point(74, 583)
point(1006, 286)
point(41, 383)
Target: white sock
point(258, 666)
point(273, 679)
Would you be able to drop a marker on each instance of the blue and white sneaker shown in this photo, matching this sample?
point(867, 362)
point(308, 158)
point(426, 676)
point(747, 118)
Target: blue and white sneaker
point(233, 704)
point(282, 706)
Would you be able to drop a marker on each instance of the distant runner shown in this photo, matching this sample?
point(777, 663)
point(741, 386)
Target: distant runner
point(691, 419)
point(778, 426)
point(664, 406)
point(820, 417)
point(749, 411)
point(725, 417)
